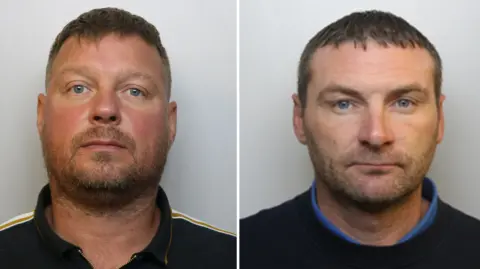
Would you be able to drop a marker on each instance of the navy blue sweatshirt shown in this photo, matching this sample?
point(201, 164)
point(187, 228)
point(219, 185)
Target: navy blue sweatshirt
point(290, 236)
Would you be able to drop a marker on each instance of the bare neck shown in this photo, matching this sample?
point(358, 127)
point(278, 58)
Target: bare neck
point(107, 240)
point(375, 229)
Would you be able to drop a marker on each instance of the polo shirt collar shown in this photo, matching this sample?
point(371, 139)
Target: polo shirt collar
point(158, 246)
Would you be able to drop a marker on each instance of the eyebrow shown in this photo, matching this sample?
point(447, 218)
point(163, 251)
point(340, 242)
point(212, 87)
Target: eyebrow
point(80, 70)
point(123, 76)
point(398, 91)
point(128, 75)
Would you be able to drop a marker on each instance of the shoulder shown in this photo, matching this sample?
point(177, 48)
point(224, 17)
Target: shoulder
point(16, 236)
point(272, 225)
point(16, 224)
point(457, 235)
point(202, 241)
point(463, 222)
point(270, 232)
point(283, 214)
point(199, 230)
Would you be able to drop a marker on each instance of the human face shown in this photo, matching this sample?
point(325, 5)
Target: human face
point(105, 123)
point(371, 121)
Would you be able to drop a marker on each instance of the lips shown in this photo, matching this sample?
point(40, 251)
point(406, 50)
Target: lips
point(104, 143)
point(376, 165)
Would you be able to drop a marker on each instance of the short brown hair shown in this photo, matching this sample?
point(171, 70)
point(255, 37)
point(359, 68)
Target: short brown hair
point(98, 23)
point(358, 27)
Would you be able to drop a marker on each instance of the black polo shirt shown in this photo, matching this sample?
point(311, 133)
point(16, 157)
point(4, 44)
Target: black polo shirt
point(28, 241)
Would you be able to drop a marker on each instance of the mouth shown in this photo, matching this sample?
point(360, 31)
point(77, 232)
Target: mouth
point(375, 165)
point(103, 144)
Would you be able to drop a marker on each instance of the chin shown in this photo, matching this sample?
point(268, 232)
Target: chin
point(380, 187)
point(102, 171)
point(104, 182)
point(378, 196)
point(104, 167)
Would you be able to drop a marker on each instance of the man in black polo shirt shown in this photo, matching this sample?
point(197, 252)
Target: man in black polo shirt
point(369, 109)
point(106, 124)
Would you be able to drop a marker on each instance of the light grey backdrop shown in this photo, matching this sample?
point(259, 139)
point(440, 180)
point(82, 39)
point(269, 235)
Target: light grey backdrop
point(274, 167)
point(200, 38)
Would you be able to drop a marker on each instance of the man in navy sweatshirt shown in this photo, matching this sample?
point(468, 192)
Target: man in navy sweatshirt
point(369, 108)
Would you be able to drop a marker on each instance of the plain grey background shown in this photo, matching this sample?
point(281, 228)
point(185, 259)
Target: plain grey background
point(274, 167)
point(200, 38)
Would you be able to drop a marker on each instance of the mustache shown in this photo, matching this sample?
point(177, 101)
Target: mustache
point(105, 133)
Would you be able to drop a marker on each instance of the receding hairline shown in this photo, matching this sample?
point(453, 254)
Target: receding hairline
point(385, 28)
point(365, 46)
point(370, 44)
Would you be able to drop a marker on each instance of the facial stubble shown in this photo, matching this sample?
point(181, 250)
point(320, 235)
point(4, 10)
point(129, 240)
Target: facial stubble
point(108, 186)
point(332, 174)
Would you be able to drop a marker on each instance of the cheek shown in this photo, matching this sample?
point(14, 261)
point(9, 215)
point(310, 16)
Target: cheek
point(333, 133)
point(415, 130)
point(147, 130)
point(62, 125)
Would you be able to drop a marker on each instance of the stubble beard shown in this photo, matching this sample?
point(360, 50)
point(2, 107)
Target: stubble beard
point(107, 187)
point(333, 176)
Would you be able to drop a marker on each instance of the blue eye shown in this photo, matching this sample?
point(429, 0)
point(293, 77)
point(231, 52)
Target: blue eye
point(404, 103)
point(135, 92)
point(78, 89)
point(343, 104)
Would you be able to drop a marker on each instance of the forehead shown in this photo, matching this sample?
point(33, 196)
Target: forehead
point(375, 68)
point(109, 55)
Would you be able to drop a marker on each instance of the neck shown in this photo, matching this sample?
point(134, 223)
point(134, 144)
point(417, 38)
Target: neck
point(383, 228)
point(108, 239)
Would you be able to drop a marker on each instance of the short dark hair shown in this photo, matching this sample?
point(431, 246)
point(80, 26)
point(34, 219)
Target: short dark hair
point(98, 23)
point(382, 27)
